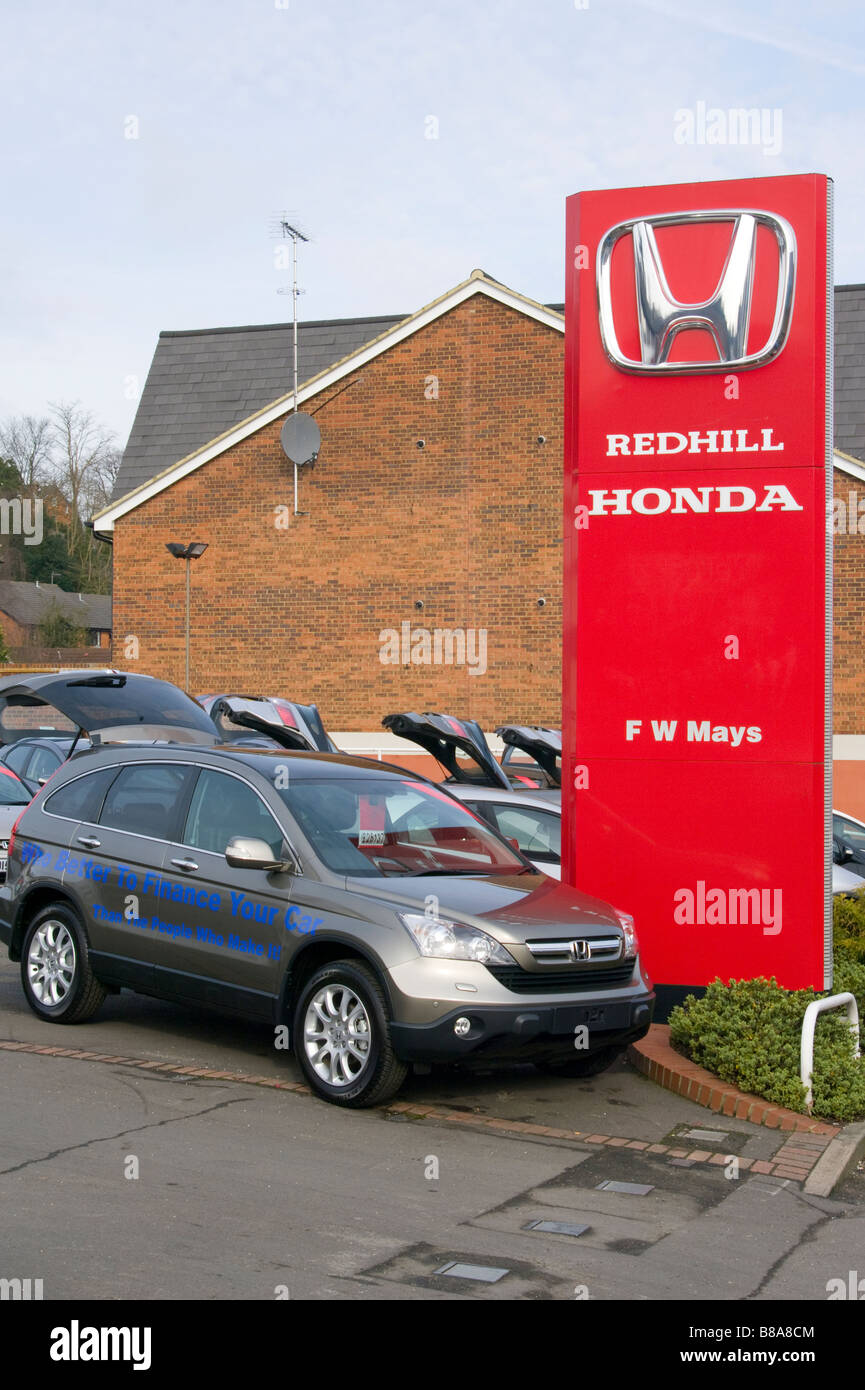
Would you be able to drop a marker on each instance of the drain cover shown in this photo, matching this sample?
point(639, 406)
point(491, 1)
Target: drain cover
point(484, 1274)
point(714, 1136)
point(556, 1228)
point(634, 1189)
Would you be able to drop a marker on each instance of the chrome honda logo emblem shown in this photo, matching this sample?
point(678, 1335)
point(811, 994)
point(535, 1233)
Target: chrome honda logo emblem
point(581, 950)
point(725, 315)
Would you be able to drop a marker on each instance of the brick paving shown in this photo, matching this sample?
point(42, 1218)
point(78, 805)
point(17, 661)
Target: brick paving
point(793, 1160)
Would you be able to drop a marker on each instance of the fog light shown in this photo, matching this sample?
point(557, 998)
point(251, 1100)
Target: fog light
point(462, 1026)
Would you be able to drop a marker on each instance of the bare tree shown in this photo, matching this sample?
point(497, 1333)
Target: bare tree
point(99, 485)
point(26, 441)
point(83, 456)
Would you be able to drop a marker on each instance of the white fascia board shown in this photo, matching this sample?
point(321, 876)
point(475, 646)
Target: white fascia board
point(845, 464)
point(104, 521)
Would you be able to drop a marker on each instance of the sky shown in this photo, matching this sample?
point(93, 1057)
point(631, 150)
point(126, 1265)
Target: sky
point(146, 151)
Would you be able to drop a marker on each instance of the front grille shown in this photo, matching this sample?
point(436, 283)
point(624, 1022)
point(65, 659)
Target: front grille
point(577, 980)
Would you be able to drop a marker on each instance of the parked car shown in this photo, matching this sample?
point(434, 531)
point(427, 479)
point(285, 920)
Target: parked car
point(36, 758)
point(848, 843)
point(532, 754)
point(360, 905)
point(13, 797)
point(523, 806)
point(531, 822)
point(267, 722)
point(460, 748)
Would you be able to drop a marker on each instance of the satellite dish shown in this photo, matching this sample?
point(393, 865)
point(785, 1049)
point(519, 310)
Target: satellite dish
point(300, 438)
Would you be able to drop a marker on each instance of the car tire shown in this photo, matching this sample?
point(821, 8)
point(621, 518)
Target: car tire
point(341, 1035)
point(58, 982)
point(592, 1065)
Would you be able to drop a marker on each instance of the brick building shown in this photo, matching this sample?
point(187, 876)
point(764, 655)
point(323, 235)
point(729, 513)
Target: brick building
point(438, 484)
point(25, 605)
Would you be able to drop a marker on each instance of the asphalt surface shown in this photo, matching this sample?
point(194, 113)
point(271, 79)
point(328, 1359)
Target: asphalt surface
point(121, 1184)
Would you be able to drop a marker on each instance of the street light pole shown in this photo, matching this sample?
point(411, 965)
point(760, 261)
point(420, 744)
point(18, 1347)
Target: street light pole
point(193, 551)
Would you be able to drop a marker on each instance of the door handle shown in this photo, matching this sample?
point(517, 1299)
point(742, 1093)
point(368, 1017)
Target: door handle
point(89, 841)
point(187, 865)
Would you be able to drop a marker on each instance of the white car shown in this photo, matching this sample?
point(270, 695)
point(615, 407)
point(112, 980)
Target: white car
point(532, 822)
point(14, 796)
point(848, 853)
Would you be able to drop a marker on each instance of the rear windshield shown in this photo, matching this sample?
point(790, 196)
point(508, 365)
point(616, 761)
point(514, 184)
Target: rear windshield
point(394, 828)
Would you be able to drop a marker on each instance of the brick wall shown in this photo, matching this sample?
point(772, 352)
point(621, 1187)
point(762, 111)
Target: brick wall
point(16, 633)
point(849, 606)
point(470, 525)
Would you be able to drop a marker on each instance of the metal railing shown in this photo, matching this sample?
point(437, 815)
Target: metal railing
point(809, 1024)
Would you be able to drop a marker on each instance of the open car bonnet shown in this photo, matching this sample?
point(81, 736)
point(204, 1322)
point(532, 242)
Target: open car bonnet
point(443, 737)
point(288, 724)
point(544, 745)
point(107, 706)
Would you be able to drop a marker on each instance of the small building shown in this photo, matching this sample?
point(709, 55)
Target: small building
point(24, 606)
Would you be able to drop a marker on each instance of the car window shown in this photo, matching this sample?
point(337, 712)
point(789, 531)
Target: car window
point(144, 799)
point(222, 807)
point(848, 830)
point(484, 809)
point(538, 833)
point(81, 799)
point(19, 757)
point(44, 762)
point(13, 792)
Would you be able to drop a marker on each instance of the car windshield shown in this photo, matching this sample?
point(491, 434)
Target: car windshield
point(392, 827)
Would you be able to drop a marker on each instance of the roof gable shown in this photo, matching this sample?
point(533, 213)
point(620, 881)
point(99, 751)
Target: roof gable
point(239, 427)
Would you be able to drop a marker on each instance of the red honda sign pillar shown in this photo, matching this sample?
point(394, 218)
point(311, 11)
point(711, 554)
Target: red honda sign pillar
point(697, 624)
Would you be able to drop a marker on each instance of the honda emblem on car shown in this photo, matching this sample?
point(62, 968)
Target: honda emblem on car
point(725, 315)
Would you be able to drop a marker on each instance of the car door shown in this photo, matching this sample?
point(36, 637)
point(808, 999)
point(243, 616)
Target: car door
point(116, 860)
point(236, 956)
point(18, 757)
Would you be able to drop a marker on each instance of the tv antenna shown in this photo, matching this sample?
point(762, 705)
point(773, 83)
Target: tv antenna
point(300, 434)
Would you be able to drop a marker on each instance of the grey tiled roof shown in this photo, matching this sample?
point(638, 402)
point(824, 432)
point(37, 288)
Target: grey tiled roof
point(204, 381)
point(28, 603)
point(850, 369)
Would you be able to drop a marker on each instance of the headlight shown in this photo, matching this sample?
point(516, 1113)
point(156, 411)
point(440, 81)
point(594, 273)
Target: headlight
point(447, 940)
point(632, 945)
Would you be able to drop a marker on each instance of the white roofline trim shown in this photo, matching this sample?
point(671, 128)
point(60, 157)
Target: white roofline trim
point(845, 464)
point(103, 521)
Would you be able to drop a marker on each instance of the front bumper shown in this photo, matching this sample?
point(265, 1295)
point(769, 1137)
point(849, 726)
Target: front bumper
point(528, 1031)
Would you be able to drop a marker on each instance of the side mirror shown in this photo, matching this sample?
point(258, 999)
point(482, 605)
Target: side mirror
point(840, 852)
point(244, 852)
